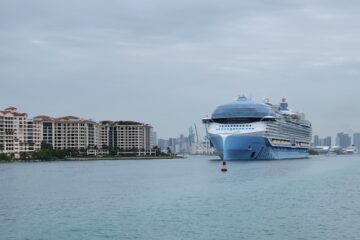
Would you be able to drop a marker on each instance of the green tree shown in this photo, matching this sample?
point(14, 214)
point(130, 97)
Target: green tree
point(45, 145)
point(4, 157)
point(24, 156)
point(50, 154)
point(157, 150)
point(313, 152)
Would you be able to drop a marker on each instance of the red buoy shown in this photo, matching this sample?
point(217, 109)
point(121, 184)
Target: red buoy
point(224, 168)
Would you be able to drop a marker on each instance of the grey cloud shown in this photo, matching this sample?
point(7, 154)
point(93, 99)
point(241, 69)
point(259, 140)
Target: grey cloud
point(170, 62)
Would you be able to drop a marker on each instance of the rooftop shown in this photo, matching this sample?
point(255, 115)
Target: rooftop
point(243, 107)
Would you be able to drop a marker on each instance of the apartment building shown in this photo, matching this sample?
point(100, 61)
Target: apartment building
point(17, 133)
point(127, 136)
point(104, 127)
point(69, 132)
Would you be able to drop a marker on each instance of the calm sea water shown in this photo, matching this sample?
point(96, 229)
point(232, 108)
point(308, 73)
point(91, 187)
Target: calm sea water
point(316, 198)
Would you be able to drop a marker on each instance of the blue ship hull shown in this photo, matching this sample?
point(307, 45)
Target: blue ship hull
point(254, 147)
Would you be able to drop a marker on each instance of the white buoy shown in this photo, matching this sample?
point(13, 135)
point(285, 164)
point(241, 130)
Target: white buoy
point(223, 168)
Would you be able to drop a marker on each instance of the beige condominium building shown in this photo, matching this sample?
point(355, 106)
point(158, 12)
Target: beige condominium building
point(17, 133)
point(126, 136)
point(69, 132)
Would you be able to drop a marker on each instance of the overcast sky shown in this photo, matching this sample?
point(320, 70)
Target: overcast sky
point(170, 63)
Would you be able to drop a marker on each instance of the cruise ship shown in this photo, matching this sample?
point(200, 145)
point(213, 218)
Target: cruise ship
point(245, 129)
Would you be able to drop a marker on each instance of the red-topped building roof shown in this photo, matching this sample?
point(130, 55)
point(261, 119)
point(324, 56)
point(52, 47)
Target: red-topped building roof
point(13, 111)
point(43, 118)
point(46, 118)
point(67, 118)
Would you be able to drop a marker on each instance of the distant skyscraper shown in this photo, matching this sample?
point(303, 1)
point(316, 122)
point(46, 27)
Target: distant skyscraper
point(356, 140)
point(316, 140)
point(322, 141)
point(343, 140)
point(191, 135)
point(181, 141)
point(172, 144)
point(327, 141)
point(154, 139)
point(163, 144)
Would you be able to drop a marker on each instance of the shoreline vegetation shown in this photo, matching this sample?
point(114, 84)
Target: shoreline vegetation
point(47, 154)
point(313, 152)
point(90, 158)
point(87, 158)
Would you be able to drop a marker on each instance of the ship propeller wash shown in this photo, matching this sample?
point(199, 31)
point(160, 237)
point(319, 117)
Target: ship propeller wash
point(245, 129)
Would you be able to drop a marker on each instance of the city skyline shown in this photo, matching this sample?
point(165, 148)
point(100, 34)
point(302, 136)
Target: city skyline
point(171, 64)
